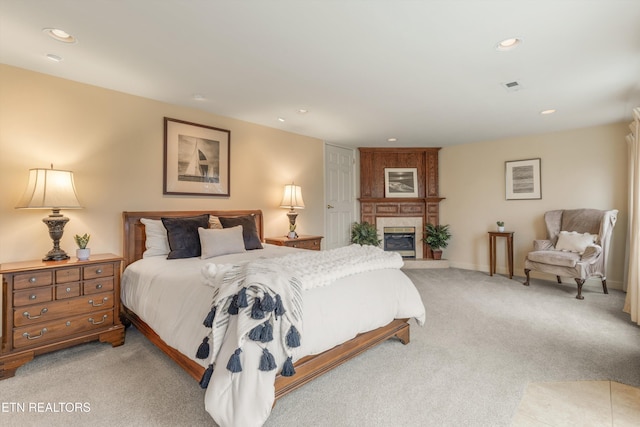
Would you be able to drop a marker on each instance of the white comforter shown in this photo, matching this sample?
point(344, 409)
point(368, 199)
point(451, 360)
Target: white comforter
point(171, 297)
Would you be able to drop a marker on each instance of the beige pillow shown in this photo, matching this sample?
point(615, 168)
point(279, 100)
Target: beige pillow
point(572, 241)
point(156, 240)
point(214, 222)
point(216, 242)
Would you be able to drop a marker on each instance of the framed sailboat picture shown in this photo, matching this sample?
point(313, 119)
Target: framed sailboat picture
point(196, 159)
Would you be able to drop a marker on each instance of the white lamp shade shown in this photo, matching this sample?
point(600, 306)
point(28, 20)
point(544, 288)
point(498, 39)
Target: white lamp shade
point(292, 197)
point(49, 188)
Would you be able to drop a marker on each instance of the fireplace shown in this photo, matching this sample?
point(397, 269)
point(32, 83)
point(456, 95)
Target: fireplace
point(401, 240)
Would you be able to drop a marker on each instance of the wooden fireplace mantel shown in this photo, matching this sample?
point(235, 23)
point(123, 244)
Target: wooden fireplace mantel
point(373, 204)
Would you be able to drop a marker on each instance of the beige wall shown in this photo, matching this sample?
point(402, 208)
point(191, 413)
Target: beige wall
point(580, 168)
point(114, 144)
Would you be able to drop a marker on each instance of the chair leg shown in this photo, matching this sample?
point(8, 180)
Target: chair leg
point(526, 273)
point(580, 282)
point(559, 279)
point(604, 286)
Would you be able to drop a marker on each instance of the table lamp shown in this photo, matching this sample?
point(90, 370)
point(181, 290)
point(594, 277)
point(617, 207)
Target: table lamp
point(51, 189)
point(292, 199)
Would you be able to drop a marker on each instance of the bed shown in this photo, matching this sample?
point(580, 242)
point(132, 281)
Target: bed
point(137, 306)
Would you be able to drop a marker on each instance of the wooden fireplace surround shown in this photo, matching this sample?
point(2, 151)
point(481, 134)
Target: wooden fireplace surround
point(374, 204)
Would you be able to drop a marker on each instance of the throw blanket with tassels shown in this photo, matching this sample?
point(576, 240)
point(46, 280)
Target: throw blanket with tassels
point(259, 304)
point(263, 295)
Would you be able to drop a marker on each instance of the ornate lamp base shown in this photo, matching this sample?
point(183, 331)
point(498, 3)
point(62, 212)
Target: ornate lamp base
point(292, 224)
point(56, 223)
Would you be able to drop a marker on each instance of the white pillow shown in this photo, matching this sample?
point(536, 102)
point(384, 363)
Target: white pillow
point(216, 242)
point(157, 242)
point(572, 241)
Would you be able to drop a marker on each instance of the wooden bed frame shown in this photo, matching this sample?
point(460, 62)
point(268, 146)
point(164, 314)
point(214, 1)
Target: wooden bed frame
point(307, 368)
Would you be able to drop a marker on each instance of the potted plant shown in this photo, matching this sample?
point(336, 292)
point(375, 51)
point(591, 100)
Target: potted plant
point(500, 226)
point(292, 232)
point(364, 233)
point(436, 237)
point(82, 253)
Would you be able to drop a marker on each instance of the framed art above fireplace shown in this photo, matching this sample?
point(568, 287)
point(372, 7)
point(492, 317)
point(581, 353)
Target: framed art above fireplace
point(401, 182)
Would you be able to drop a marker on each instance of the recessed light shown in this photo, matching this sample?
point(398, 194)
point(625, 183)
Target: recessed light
point(508, 44)
point(546, 112)
point(54, 58)
point(280, 119)
point(392, 139)
point(303, 111)
point(60, 35)
point(198, 97)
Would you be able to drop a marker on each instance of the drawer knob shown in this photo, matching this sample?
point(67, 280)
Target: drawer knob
point(99, 271)
point(33, 296)
point(32, 279)
point(99, 286)
point(30, 317)
point(68, 289)
point(68, 323)
point(104, 300)
point(93, 322)
point(29, 337)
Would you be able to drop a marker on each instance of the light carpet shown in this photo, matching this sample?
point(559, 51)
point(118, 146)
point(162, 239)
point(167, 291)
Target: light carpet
point(484, 340)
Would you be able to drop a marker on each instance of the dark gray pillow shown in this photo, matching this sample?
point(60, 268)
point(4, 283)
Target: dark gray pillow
point(184, 240)
point(249, 229)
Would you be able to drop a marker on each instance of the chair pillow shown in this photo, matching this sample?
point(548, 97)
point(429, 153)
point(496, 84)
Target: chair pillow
point(572, 241)
point(156, 240)
point(184, 239)
point(249, 229)
point(216, 242)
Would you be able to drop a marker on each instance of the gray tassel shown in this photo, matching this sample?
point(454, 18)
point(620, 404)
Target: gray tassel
point(256, 333)
point(267, 304)
point(256, 311)
point(267, 332)
point(233, 307)
point(288, 369)
point(293, 337)
point(267, 361)
point(242, 298)
point(208, 321)
point(234, 364)
point(203, 350)
point(206, 377)
point(279, 309)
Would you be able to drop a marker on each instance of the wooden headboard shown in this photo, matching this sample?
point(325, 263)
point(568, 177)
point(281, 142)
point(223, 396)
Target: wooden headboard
point(134, 235)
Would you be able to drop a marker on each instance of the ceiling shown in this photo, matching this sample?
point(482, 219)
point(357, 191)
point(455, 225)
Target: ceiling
point(425, 72)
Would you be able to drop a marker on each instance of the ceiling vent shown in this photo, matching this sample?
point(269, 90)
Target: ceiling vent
point(513, 86)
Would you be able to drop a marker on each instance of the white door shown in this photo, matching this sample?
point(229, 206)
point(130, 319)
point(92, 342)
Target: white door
point(339, 195)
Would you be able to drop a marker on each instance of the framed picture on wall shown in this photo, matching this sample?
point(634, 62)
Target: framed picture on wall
point(196, 159)
point(522, 179)
point(401, 182)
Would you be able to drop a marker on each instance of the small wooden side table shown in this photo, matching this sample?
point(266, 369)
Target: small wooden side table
point(492, 250)
point(302, 242)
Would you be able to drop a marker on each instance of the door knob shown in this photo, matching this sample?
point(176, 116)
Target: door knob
point(329, 207)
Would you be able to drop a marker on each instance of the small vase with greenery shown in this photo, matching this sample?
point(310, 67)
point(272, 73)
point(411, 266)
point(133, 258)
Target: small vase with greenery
point(437, 238)
point(82, 253)
point(500, 225)
point(363, 233)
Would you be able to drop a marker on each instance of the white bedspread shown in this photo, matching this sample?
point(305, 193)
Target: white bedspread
point(170, 296)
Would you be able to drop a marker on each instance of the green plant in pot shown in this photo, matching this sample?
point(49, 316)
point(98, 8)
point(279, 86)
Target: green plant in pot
point(82, 253)
point(363, 233)
point(437, 238)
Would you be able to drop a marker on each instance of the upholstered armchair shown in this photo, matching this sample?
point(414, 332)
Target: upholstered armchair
point(577, 245)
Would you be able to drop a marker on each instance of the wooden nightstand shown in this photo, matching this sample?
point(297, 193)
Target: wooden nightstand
point(50, 305)
point(302, 242)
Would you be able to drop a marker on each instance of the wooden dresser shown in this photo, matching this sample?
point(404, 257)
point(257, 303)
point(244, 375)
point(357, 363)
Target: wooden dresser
point(50, 305)
point(302, 242)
